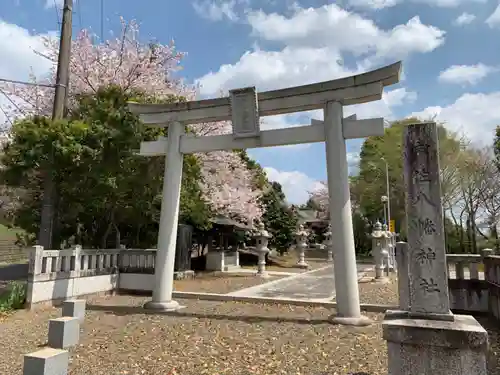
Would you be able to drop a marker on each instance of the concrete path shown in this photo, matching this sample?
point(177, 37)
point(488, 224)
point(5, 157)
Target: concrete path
point(316, 285)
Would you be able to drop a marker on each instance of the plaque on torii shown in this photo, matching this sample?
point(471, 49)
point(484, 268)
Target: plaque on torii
point(244, 112)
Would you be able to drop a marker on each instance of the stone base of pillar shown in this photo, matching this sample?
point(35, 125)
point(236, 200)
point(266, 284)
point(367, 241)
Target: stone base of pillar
point(163, 306)
point(360, 321)
point(435, 347)
point(381, 280)
point(184, 275)
point(263, 275)
point(302, 265)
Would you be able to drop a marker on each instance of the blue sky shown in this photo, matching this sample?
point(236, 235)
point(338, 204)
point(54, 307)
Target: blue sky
point(449, 48)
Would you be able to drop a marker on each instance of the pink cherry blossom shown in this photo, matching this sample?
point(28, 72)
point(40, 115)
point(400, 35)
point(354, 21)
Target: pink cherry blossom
point(321, 198)
point(133, 65)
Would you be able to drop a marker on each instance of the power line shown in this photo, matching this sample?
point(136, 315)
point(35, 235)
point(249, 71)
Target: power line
point(80, 22)
point(28, 83)
point(57, 12)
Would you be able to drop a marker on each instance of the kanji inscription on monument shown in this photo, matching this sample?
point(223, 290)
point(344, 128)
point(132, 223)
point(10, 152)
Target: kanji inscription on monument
point(426, 248)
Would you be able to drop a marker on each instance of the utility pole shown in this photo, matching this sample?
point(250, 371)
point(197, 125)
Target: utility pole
point(60, 99)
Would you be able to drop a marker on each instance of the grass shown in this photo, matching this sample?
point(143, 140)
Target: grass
point(13, 297)
point(7, 233)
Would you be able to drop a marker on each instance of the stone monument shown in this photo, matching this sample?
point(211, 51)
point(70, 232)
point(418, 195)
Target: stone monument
point(427, 338)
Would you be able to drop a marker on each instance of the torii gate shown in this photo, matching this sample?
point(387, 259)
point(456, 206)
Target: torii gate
point(243, 107)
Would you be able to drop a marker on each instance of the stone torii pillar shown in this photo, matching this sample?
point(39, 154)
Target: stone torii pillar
point(337, 130)
point(169, 215)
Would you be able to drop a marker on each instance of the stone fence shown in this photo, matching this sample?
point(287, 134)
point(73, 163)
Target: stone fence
point(56, 275)
point(474, 283)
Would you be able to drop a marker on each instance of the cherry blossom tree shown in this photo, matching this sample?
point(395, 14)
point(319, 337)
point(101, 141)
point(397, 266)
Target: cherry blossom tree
point(321, 198)
point(148, 68)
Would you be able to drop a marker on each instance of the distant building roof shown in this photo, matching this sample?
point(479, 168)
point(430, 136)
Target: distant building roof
point(225, 221)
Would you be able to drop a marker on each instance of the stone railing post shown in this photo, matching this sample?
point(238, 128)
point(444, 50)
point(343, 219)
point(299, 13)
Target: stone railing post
point(35, 260)
point(78, 258)
point(301, 238)
point(262, 239)
point(485, 253)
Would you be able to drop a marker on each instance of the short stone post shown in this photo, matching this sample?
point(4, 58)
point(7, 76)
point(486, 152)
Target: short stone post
point(74, 308)
point(262, 239)
point(64, 332)
point(328, 243)
point(378, 251)
point(428, 339)
point(47, 361)
point(301, 238)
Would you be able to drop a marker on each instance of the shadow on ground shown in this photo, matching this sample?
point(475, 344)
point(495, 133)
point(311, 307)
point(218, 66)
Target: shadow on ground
point(134, 310)
point(14, 272)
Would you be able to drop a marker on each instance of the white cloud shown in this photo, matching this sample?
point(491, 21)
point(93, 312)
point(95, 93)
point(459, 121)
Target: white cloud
point(314, 41)
point(273, 70)
point(474, 115)
point(373, 4)
point(296, 185)
point(464, 19)
point(466, 74)
point(448, 3)
point(494, 19)
point(18, 58)
point(334, 27)
point(53, 3)
point(216, 10)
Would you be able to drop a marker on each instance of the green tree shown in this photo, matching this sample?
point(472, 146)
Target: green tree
point(278, 218)
point(369, 185)
point(107, 193)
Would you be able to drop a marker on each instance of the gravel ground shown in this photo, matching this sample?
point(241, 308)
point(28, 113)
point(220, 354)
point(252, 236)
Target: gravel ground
point(204, 338)
point(213, 338)
point(378, 293)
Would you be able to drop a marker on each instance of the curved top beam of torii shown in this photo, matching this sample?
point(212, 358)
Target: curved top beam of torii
point(355, 89)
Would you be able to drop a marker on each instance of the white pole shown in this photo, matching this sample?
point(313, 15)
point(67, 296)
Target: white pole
point(388, 192)
point(344, 256)
point(167, 235)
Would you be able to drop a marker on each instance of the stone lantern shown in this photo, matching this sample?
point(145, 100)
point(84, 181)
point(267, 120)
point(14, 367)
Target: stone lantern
point(389, 247)
point(301, 238)
point(379, 252)
point(262, 237)
point(328, 243)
